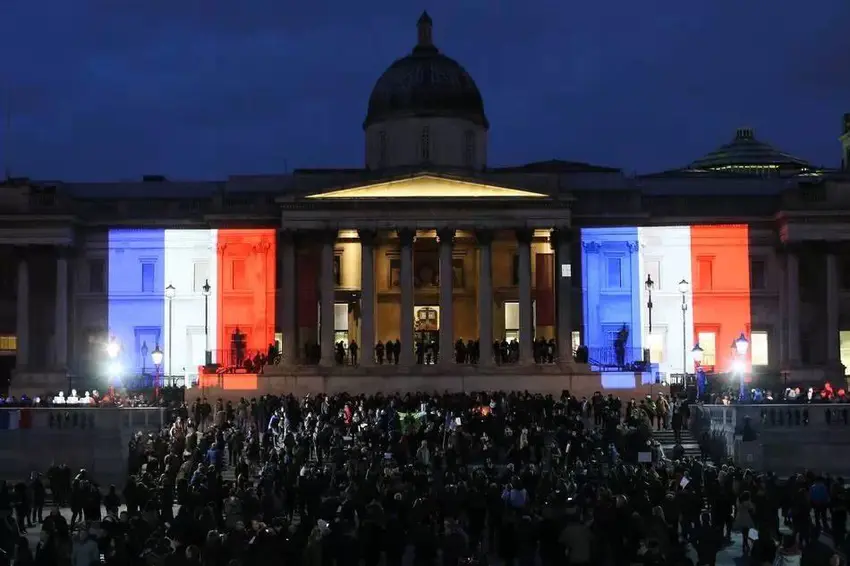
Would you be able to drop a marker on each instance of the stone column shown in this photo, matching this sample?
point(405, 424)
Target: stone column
point(792, 272)
point(447, 338)
point(833, 306)
point(61, 313)
point(782, 327)
point(485, 296)
point(406, 238)
point(23, 311)
point(562, 244)
point(367, 297)
point(288, 314)
point(526, 315)
point(327, 289)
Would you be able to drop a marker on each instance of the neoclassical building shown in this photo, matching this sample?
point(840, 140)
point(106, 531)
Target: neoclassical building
point(429, 243)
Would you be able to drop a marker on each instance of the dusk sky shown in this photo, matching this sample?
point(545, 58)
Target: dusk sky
point(203, 89)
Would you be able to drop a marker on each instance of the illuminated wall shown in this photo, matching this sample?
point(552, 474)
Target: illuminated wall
point(715, 261)
point(240, 268)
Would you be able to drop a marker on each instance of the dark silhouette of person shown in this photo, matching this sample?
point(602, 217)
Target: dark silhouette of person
point(620, 346)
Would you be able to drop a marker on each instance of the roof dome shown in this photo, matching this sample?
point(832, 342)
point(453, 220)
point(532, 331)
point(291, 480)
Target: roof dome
point(425, 83)
point(745, 153)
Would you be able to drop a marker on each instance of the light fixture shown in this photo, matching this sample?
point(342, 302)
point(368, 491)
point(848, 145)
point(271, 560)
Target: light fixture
point(112, 348)
point(649, 283)
point(697, 354)
point(169, 291)
point(156, 355)
point(742, 345)
point(206, 288)
point(684, 286)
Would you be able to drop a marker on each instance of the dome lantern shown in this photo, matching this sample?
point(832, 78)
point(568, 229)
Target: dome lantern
point(423, 28)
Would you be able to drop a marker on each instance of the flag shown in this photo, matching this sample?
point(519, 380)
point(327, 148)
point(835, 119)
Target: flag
point(13, 419)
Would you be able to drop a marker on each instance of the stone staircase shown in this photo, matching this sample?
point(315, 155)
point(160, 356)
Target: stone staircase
point(668, 441)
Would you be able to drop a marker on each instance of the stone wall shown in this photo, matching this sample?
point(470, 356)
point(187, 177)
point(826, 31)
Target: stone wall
point(92, 438)
point(791, 438)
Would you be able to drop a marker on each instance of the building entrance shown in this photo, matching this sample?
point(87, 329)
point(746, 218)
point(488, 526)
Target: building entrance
point(426, 329)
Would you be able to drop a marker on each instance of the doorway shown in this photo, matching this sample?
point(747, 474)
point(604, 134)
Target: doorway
point(426, 333)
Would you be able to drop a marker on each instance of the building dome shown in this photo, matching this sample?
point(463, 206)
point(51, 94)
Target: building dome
point(425, 83)
point(747, 154)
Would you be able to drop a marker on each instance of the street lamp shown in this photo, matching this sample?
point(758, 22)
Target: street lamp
point(684, 287)
point(156, 356)
point(697, 354)
point(649, 284)
point(207, 352)
point(169, 294)
point(741, 345)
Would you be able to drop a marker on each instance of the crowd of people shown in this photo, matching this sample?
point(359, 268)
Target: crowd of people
point(345, 480)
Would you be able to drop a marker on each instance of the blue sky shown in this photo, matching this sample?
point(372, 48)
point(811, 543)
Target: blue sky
point(202, 89)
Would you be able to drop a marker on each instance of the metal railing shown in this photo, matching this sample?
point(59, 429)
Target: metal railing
point(611, 359)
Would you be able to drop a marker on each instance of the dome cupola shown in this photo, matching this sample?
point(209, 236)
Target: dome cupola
point(425, 83)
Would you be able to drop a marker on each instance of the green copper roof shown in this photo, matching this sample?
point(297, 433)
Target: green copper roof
point(745, 152)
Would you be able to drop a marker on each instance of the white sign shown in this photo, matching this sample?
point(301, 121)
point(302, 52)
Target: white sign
point(566, 270)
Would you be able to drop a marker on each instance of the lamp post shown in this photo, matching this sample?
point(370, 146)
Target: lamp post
point(649, 284)
point(156, 356)
point(684, 287)
point(207, 352)
point(697, 354)
point(169, 294)
point(113, 348)
point(741, 346)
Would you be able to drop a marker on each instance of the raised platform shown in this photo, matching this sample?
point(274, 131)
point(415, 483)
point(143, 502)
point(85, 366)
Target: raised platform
point(301, 380)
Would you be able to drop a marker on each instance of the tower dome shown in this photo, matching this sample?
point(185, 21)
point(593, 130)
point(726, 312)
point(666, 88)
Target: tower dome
point(425, 110)
point(425, 83)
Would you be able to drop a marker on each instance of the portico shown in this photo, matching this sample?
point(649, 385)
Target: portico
point(398, 260)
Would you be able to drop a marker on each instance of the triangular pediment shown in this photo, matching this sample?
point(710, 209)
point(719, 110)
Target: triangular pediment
point(427, 187)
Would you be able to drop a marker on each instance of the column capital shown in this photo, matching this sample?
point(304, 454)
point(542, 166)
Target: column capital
point(560, 236)
point(287, 235)
point(64, 252)
point(484, 237)
point(446, 235)
point(22, 253)
point(367, 237)
point(524, 235)
point(406, 236)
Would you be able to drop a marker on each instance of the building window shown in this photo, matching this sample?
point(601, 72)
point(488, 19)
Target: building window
point(8, 343)
point(148, 277)
point(511, 321)
point(653, 270)
point(614, 277)
point(237, 274)
point(425, 144)
point(469, 148)
point(655, 345)
point(708, 342)
point(382, 149)
point(705, 273)
point(97, 275)
point(341, 323)
point(844, 349)
point(201, 271)
point(575, 340)
point(759, 348)
point(758, 275)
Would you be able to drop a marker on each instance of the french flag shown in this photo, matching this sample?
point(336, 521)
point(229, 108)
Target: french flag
point(14, 419)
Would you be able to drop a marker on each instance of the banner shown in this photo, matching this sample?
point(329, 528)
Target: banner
point(308, 290)
point(544, 289)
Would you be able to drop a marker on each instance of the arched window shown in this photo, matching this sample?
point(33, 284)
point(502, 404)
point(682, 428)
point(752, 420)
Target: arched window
point(469, 148)
point(425, 144)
